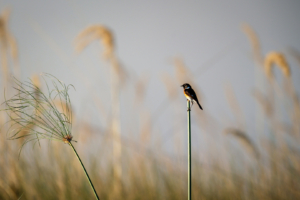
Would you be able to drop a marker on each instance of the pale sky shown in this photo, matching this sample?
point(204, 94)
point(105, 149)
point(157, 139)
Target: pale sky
point(148, 35)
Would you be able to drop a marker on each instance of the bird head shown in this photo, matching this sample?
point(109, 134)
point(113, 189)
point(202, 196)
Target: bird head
point(186, 86)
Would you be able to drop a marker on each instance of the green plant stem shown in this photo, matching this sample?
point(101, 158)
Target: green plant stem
point(189, 151)
point(85, 171)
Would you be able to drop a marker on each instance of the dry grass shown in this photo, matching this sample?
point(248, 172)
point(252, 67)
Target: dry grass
point(278, 59)
point(8, 45)
point(244, 140)
point(96, 32)
point(102, 33)
point(255, 44)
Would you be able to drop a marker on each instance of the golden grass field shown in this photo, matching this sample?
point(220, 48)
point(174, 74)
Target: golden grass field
point(235, 165)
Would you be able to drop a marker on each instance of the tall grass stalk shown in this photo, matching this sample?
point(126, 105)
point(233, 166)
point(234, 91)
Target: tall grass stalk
point(102, 33)
point(8, 47)
point(34, 115)
point(87, 175)
point(189, 151)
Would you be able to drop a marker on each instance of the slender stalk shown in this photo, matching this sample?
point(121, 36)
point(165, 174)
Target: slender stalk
point(116, 127)
point(85, 171)
point(189, 151)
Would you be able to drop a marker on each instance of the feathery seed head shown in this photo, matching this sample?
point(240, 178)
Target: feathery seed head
point(278, 59)
point(4, 33)
point(244, 140)
point(34, 114)
point(7, 41)
point(254, 40)
point(96, 32)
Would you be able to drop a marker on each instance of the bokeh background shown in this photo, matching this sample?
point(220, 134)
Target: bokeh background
point(127, 61)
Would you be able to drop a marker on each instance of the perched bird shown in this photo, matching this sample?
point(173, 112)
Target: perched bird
point(190, 94)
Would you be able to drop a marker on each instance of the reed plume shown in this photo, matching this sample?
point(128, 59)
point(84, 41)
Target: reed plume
point(96, 32)
point(8, 45)
point(276, 58)
point(244, 140)
point(254, 41)
point(102, 33)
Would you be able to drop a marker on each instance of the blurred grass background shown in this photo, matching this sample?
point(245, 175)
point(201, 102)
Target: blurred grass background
point(134, 162)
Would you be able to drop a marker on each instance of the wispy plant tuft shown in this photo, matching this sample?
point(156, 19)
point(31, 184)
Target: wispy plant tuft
point(34, 115)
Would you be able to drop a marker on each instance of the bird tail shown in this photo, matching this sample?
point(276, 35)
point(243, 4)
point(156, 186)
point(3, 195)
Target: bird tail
point(199, 105)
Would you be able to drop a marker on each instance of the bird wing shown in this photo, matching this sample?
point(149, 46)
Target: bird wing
point(191, 93)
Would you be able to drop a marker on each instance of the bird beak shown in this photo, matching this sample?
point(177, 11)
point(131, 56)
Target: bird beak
point(181, 86)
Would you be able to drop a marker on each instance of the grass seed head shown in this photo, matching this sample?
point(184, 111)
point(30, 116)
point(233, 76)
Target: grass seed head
point(7, 41)
point(254, 40)
point(244, 140)
point(3, 24)
point(96, 32)
point(276, 58)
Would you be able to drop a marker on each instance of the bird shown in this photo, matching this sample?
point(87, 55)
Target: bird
point(190, 94)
